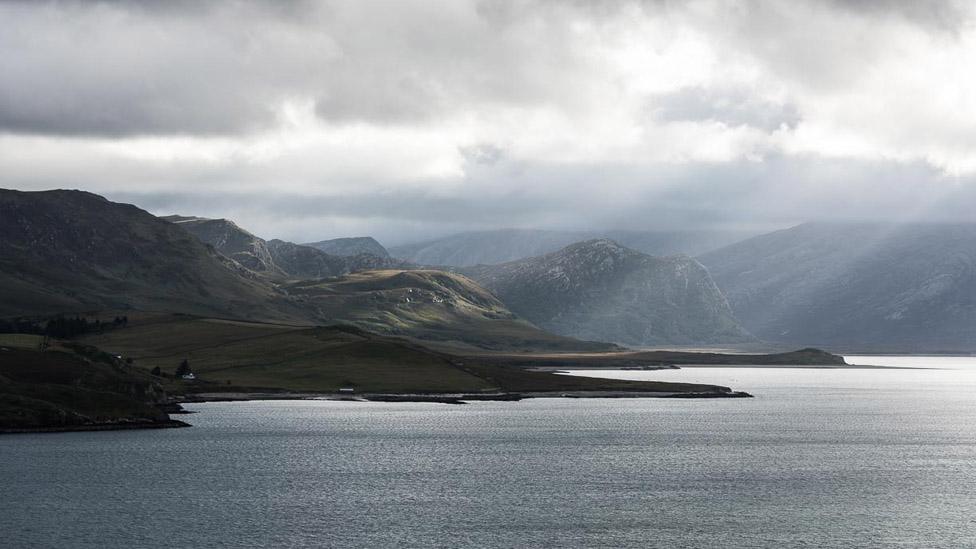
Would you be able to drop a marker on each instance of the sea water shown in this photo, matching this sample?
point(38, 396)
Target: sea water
point(819, 458)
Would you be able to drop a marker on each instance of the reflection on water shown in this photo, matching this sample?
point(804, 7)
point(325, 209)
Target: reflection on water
point(820, 458)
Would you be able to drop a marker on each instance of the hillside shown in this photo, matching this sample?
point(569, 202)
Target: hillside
point(859, 286)
point(501, 246)
point(351, 246)
point(232, 241)
point(64, 390)
point(65, 251)
point(599, 290)
point(243, 356)
point(434, 306)
point(70, 251)
point(277, 259)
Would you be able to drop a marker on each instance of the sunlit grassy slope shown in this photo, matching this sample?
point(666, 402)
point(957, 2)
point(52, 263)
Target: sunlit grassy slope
point(433, 306)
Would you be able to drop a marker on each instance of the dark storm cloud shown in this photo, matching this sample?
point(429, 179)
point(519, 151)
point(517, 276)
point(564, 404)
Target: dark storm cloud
point(123, 68)
point(306, 120)
point(158, 68)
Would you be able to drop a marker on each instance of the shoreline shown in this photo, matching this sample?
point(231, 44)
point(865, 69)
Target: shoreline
point(113, 426)
point(558, 369)
point(455, 398)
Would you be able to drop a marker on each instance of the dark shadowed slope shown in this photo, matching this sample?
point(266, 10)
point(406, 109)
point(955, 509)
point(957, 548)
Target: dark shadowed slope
point(76, 388)
point(63, 251)
point(500, 246)
point(908, 287)
point(350, 246)
point(599, 290)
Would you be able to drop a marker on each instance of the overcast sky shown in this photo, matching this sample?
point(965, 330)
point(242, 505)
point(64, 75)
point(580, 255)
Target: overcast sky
point(401, 119)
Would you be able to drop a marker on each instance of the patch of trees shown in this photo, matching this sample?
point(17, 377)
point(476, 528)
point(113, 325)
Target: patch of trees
point(181, 370)
point(61, 327)
point(184, 368)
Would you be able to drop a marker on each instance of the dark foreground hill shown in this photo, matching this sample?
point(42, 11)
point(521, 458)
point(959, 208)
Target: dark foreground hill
point(76, 389)
point(599, 290)
point(882, 287)
point(63, 251)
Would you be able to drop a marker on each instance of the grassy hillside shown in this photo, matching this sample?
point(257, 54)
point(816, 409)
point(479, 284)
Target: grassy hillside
point(231, 356)
point(434, 306)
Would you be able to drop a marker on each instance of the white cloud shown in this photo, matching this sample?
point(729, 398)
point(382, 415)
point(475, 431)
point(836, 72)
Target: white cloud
point(633, 105)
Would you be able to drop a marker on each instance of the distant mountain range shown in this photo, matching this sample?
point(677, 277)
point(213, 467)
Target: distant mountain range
point(351, 246)
point(600, 290)
point(501, 246)
point(884, 287)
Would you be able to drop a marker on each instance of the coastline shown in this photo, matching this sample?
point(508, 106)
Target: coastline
point(557, 369)
point(455, 398)
point(108, 426)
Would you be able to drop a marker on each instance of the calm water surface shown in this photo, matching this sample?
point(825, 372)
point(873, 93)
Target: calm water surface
point(820, 458)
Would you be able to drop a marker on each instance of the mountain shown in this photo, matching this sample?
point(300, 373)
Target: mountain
point(863, 286)
point(350, 246)
point(64, 251)
point(600, 290)
point(72, 251)
point(232, 241)
point(501, 246)
point(278, 259)
point(434, 306)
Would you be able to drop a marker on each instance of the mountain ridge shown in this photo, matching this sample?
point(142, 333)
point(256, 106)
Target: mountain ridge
point(493, 247)
point(898, 287)
point(600, 290)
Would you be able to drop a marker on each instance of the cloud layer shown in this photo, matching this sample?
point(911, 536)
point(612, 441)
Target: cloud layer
point(307, 120)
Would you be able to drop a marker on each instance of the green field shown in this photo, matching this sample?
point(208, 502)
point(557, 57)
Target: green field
point(230, 356)
point(21, 341)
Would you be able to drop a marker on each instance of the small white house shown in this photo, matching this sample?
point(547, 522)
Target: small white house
point(189, 376)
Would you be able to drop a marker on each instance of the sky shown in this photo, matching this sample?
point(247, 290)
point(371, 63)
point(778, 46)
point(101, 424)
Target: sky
point(409, 119)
